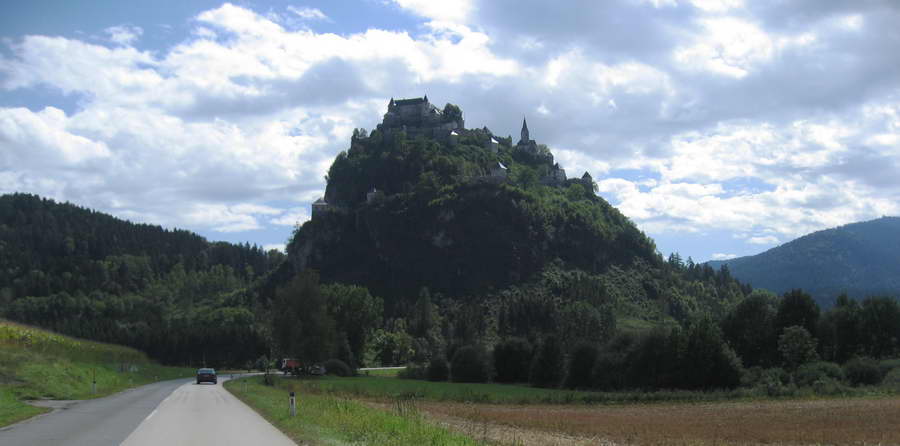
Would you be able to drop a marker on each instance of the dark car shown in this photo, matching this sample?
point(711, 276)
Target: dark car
point(206, 375)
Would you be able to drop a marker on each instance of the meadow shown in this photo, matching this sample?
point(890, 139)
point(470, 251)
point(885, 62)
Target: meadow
point(39, 364)
point(510, 414)
point(330, 419)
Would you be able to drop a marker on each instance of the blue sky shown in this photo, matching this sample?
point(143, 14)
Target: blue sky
point(720, 127)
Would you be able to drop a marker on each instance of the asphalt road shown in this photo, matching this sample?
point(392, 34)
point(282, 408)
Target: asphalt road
point(172, 413)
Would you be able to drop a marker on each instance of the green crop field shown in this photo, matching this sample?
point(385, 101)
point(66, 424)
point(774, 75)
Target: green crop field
point(329, 419)
point(379, 387)
point(39, 364)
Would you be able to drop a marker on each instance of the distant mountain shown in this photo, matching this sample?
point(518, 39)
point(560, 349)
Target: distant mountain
point(861, 259)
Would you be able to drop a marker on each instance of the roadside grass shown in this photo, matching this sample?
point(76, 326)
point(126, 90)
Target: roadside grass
point(328, 419)
point(39, 364)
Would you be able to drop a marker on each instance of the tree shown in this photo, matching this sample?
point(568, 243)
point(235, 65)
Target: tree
point(547, 365)
point(469, 365)
point(708, 362)
point(797, 347)
point(512, 358)
point(880, 326)
point(301, 325)
point(750, 329)
point(581, 366)
point(797, 308)
point(355, 312)
point(839, 331)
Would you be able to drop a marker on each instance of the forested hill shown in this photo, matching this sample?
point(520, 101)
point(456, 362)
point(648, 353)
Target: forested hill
point(89, 274)
point(422, 206)
point(860, 259)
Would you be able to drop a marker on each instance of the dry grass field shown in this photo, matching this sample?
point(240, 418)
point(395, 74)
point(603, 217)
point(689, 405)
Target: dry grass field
point(857, 421)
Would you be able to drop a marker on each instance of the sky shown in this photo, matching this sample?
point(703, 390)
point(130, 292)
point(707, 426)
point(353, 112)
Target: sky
point(722, 128)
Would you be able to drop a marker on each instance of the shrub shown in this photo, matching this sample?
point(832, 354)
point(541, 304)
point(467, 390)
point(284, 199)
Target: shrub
point(862, 371)
point(512, 359)
point(809, 373)
point(892, 379)
point(828, 386)
point(581, 365)
point(886, 365)
point(337, 367)
point(413, 371)
point(547, 365)
point(438, 369)
point(469, 365)
point(797, 347)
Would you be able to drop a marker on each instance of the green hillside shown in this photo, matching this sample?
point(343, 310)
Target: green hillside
point(170, 293)
point(39, 364)
point(860, 259)
point(470, 238)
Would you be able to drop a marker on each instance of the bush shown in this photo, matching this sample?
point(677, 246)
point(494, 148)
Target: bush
point(892, 379)
point(862, 371)
point(809, 373)
point(828, 386)
point(581, 365)
point(438, 369)
point(886, 365)
point(512, 359)
point(337, 367)
point(547, 365)
point(469, 366)
point(413, 371)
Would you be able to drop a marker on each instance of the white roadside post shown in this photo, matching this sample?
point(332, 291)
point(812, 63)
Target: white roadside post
point(293, 405)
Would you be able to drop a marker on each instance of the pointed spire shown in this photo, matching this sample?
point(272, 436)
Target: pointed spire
point(524, 135)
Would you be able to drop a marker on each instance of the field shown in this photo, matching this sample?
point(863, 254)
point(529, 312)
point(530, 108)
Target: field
point(39, 364)
point(503, 414)
point(377, 387)
point(328, 419)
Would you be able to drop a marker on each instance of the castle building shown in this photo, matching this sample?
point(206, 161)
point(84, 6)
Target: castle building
point(525, 141)
point(417, 116)
point(319, 206)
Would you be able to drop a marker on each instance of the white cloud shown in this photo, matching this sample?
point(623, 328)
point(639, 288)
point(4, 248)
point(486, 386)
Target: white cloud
point(293, 217)
point(276, 246)
point(124, 34)
point(763, 240)
point(721, 256)
point(724, 114)
point(308, 13)
point(445, 10)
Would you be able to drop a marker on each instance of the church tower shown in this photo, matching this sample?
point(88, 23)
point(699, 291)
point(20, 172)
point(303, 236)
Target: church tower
point(524, 136)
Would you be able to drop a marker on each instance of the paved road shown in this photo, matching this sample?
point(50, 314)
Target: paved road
point(168, 413)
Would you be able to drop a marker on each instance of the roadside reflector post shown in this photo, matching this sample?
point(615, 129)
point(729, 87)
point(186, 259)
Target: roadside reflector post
point(293, 405)
point(94, 381)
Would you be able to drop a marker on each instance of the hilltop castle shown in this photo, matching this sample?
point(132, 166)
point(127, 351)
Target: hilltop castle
point(418, 117)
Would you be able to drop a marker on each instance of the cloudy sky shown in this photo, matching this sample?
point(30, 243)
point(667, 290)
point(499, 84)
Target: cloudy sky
point(720, 127)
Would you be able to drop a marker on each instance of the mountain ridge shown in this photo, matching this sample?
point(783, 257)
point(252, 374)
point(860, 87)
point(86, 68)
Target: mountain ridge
point(860, 259)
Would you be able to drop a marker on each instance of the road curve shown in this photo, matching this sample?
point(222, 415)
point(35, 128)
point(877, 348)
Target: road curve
point(205, 414)
point(98, 422)
point(170, 413)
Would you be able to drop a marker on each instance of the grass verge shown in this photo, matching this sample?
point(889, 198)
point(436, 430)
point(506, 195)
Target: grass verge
point(328, 419)
point(39, 364)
